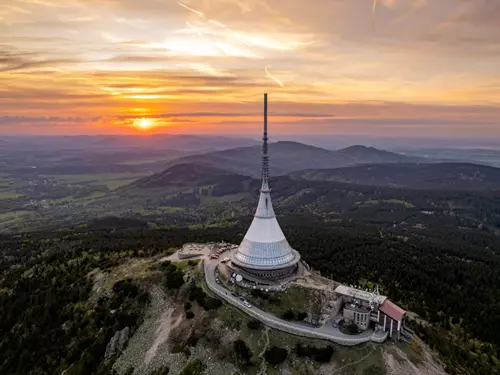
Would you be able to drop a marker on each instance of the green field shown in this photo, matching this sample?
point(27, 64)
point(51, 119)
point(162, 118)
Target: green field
point(8, 187)
point(374, 202)
point(111, 180)
point(142, 161)
point(400, 202)
point(6, 194)
point(13, 215)
point(164, 210)
point(13, 219)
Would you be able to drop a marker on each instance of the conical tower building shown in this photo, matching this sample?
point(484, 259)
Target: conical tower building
point(264, 251)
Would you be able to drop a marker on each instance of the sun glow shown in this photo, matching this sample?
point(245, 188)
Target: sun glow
point(143, 123)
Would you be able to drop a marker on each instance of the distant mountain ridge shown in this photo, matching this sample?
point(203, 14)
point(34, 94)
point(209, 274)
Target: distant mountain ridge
point(446, 176)
point(289, 156)
point(156, 142)
point(188, 175)
point(459, 176)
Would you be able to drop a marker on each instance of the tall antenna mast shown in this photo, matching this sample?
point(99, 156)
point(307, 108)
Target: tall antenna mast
point(265, 156)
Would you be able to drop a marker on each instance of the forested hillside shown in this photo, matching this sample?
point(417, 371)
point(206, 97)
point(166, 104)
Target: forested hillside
point(47, 323)
point(439, 176)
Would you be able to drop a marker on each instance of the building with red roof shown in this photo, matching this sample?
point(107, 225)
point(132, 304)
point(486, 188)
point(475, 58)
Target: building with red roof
point(384, 313)
point(391, 318)
point(392, 310)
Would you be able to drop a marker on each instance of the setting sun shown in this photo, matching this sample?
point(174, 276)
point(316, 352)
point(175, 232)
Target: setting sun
point(143, 123)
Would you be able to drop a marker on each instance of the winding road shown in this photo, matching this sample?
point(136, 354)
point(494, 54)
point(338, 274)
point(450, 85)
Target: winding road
point(325, 332)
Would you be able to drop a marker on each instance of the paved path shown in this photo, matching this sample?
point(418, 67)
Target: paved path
point(325, 332)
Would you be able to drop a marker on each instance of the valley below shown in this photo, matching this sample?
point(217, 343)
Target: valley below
point(81, 243)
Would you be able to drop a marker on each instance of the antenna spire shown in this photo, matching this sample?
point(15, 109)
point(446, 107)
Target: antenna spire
point(265, 156)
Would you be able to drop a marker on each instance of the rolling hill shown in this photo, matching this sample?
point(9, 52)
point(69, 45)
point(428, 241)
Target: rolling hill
point(188, 175)
point(195, 193)
point(287, 157)
point(450, 176)
point(100, 154)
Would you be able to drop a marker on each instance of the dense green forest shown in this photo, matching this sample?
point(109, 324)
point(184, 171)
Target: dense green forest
point(47, 324)
point(448, 281)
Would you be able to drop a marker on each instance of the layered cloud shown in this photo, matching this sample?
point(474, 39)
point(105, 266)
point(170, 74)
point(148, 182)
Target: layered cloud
point(99, 65)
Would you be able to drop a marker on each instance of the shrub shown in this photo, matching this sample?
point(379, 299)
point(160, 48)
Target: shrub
point(374, 370)
point(274, 300)
point(162, 370)
point(254, 324)
point(243, 352)
point(189, 314)
point(126, 288)
point(144, 298)
point(211, 303)
point(318, 354)
point(301, 316)
point(194, 367)
point(352, 328)
point(177, 348)
point(275, 355)
point(208, 303)
point(175, 278)
point(171, 267)
point(324, 354)
point(197, 294)
point(288, 315)
point(192, 340)
point(259, 293)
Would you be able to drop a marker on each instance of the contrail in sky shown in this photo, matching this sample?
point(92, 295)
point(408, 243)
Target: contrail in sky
point(219, 24)
point(191, 9)
point(274, 78)
point(374, 8)
point(202, 15)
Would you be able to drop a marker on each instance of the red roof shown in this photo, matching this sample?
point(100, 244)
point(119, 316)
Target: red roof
point(392, 310)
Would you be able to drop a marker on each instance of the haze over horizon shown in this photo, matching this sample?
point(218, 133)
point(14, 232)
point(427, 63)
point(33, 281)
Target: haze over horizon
point(393, 68)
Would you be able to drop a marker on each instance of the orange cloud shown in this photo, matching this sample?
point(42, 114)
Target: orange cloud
point(98, 66)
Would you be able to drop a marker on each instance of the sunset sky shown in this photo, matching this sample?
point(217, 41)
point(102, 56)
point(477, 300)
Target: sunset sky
point(396, 67)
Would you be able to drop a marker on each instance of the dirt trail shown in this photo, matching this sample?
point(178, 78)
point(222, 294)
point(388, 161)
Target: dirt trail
point(162, 333)
point(355, 363)
point(263, 366)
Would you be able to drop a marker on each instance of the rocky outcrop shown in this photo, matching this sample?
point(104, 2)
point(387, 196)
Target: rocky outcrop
point(117, 342)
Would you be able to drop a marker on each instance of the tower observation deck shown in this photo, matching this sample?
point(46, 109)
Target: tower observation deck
point(264, 251)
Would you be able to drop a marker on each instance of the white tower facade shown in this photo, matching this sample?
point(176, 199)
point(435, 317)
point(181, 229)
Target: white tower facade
point(264, 251)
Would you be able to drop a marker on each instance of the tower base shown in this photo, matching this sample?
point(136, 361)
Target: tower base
point(269, 275)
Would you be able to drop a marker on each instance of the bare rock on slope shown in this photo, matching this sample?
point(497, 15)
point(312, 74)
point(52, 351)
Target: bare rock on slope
point(117, 342)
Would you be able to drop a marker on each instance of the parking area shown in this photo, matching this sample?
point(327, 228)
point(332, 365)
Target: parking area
point(221, 251)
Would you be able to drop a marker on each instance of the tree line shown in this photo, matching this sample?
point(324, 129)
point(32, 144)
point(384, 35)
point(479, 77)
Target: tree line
point(47, 325)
